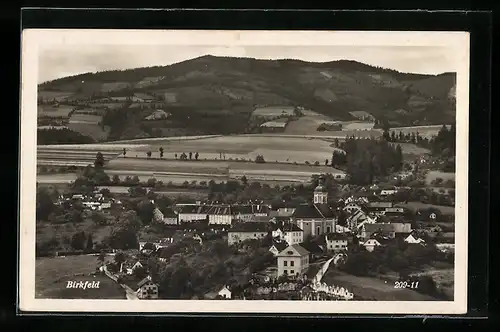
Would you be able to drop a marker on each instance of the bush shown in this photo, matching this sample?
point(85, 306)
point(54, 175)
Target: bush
point(316, 163)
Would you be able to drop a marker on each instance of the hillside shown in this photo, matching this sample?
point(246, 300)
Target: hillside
point(217, 95)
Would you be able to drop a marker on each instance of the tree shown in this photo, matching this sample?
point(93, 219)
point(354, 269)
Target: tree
point(175, 155)
point(183, 156)
point(116, 179)
point(119, 258)
point(44, 204)
point(99, 160)
point(259, 159)
point(149, 154)
point(244, 180)
point(98, 218)
point(196, 155)
point(190, 155)
point(90, 243)
point(161, 152)
point(326, 162)
point(78, 241)
point(124, 153)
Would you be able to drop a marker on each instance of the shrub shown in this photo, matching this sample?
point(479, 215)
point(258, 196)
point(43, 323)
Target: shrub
point(259, 159)
point(316, 163)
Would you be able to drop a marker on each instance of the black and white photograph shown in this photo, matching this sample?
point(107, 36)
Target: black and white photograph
point(180, 169)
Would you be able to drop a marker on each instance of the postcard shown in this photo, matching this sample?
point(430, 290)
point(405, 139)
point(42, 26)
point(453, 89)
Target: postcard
point(282, 172)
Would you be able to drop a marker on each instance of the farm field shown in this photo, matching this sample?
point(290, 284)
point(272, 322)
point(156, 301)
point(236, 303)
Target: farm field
point(90, 129)
point(50, 95)
point(56, 178)
point(195, 193)
point(307, 124)
point(273, 111)
point(357, 125)
point(444, 278)
point(433, 175)
point(409, 148)
point(367, 288)
point(424, 131)
point(52, 274)
point(419, 206)
point(56, 112)
point(274, 148)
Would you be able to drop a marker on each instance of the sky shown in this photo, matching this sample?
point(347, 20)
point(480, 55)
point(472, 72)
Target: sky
point(65, 60)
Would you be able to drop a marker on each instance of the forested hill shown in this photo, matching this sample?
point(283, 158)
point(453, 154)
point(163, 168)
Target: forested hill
point(331, 88)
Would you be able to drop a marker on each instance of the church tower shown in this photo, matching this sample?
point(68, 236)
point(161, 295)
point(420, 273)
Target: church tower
point(320, 193)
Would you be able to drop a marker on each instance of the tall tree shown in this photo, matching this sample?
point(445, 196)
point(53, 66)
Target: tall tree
point(161, 152)
point(99, 160)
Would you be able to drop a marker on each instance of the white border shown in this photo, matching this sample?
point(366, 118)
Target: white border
point(32, 39)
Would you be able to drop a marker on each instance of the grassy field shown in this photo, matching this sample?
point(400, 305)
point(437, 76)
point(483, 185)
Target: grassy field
point(357, 125)
point(444, 278)
point(413, 149)
point(433, 175)
point(273, 111)
point(272, 147)
point(57, 112)
point(424, 131)
point(53, 273)
point(367, 288)
point(419, 206)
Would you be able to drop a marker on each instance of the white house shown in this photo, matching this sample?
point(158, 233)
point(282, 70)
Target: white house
point(290, 233)
point(278, 247)
point(221, 215)
point(371, 244)
point(197, 212)
point(245, 231)
point(336, 242)
point(293, 260)
point(412, 239)
point(225, 293)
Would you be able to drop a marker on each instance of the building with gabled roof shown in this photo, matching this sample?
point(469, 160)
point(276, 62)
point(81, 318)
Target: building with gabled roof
point(278, 247)
point(336, 241)
point(289, 232)
point(293, 261)
point(246, 231)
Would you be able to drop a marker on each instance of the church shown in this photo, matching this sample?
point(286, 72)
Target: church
point(316, 218)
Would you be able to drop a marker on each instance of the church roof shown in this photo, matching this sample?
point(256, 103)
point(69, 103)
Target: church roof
point(320, 188)
point(316, 211)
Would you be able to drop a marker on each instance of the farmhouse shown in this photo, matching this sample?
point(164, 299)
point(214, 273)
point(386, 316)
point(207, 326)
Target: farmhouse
point(225, 293)
point(221, 215)
point(371, 244)
point(245, 231)
point(293, 261)
point(273, 126)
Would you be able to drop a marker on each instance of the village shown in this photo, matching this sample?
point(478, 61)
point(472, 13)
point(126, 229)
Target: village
point(301, 242)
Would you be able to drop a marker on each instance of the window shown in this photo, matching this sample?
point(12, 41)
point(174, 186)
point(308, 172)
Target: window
point(285, 272)
point(328, 229)
point(292, 272)
point(285, 263)
point(292, 263)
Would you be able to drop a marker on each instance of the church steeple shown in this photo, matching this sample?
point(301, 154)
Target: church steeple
point(320, 192)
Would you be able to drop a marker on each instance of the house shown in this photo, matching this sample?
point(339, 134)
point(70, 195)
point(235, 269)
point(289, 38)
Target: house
point(193, 212)
point(169, 216)
point(243, 212)
point(358, 218)
point(288, 232)
point(414, 239)
point(225, 293)
point(377, 207)
point(142, 97)
point(221, 215)
point(293, 261)
point(336, 242)
point(283, 212)
point(386, 229)
point(158, 115)
point(245, 231)
point(157, 216)
point(370, 244)
point(278, 247)
point(315, 249)
point(352, 207)
point(128, 268)
point(388, 192)
point(146, 289)
point(260, 210)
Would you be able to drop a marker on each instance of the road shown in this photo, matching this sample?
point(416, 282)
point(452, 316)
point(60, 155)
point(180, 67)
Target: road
point(130, 294)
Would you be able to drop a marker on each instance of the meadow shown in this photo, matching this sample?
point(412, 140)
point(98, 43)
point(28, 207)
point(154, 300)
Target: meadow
point(273, 111)
point(424, 131)
point(52, 274)
point(56, 112)
point(420, 206)
point(433, 175)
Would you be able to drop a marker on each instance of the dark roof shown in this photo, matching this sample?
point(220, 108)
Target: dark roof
point(249, 227)
point(379, 227)
point(318, 211)
point(260, 219)
point(311, 247)
point(280, 246)
point(168, 212)
point(336, 236)
point(221, 210)
point(288, 227)
point(196, 209)
point(242, 209)
point(380, 205)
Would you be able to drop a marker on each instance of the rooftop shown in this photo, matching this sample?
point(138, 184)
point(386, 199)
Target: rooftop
point(250, 227)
